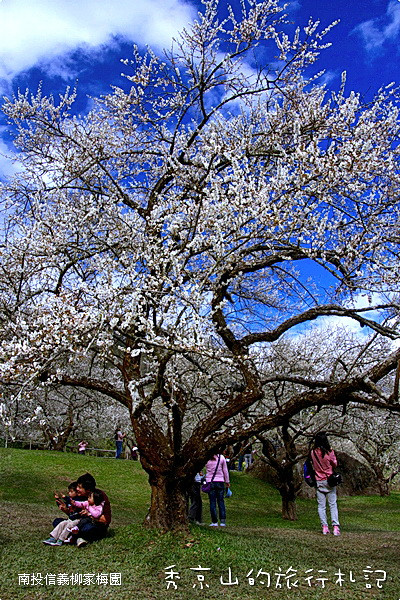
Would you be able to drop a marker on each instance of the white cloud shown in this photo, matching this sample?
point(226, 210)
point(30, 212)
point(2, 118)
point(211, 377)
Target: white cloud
point(332, 324)
point(42, 31)
point(346, 324)
point(293, 6)
point(328, 76)
point(376, 32)
point(7, 165)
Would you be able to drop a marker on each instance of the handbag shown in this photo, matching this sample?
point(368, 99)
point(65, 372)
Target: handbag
point(228, 493)
point(334, 479)
point(206, 487)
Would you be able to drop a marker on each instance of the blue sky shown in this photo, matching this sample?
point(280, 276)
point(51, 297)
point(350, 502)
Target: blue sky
point(59, 42)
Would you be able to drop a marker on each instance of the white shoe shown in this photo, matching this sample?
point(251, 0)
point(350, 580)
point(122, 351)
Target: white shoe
point(222, 524)
point(81, 542)
point(73, 529)
point(213, 524)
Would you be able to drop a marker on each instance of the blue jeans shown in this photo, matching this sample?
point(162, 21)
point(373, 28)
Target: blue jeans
point(91, 532)
point(216, 496)
point(118, 450)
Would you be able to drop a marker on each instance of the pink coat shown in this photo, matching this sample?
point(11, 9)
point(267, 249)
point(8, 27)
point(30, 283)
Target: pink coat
point(221, 474)
point(323, 465)
point(96, 510)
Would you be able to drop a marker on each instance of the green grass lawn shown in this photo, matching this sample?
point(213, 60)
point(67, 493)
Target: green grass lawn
point(257, 546)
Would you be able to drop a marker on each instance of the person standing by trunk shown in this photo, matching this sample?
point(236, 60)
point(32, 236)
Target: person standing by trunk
point(196, 503)
point(217, 474)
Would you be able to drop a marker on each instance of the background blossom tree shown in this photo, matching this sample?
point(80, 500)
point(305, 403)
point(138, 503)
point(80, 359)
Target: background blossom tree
point(202, 211)
point(375, 437)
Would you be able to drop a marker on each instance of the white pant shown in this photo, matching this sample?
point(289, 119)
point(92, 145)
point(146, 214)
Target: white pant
point(324, 493)
point(248, 459)
point(60, 531)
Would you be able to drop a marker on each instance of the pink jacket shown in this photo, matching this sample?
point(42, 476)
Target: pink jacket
point(96, 510)
point(323, 465)
point(221, 474)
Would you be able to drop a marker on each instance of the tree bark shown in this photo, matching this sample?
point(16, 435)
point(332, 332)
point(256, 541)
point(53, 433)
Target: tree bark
point(396, 384)
point(289, 509)
point(288, 494)
point(168, 504)
point(384, 487)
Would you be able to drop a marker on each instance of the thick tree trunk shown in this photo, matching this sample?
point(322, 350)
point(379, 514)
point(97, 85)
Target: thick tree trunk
point(60, 446)
point(58, 441)
point(382, 481)
point(168, 505)
point(289, 509)
point(288, 496)
point(161, 458)
point(384, 487)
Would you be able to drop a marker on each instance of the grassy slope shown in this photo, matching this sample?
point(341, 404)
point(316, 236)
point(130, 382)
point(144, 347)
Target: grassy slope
point(256, 538)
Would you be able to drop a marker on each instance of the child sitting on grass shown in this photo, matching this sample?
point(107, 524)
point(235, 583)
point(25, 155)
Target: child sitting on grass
point(91, 509)
point(64, 502)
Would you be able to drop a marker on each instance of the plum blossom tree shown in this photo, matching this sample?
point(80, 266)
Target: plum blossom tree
point(200, 212)
point(59, 417)
point(376, 438)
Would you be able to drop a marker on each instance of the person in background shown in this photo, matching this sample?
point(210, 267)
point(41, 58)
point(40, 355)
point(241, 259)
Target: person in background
point(217, 473)
point(228, 453)
point(248, 455)
point(324, 461)
point(240, 460)
point(131, 450)
point(82, 447)
point(196, 503)
point(134, 453)
point(119, 439)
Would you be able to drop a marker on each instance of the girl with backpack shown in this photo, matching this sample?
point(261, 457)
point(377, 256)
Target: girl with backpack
point(324, 461)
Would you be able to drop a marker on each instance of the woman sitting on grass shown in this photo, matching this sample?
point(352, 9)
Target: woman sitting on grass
point(93, 529)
